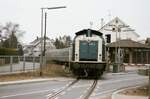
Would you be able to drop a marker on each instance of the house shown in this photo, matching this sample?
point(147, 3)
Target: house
point(147, 42)
point(132, 52)
point(118, 30)
point(34, 47)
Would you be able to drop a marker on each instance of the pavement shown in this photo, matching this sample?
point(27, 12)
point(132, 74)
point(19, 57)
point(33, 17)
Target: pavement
point(35, 80)
point(129, 69)
point(116, 94)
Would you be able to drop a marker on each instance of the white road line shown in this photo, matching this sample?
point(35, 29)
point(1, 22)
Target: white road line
point(107, 82)
point(63, 93)
point(81, 86)
point(81, 97)
point(68, 89)
point(56, 97)
point(85, 92)
point(28, 93)
point(104, 92)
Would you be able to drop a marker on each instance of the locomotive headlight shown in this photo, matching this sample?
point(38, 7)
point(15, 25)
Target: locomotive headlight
point(100, 56)
point(76, 56)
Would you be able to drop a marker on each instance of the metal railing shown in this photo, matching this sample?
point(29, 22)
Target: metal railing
point(9, 64)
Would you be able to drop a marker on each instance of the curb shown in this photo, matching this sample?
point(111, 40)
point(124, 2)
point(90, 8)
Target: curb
point(115, 94)
point(15, 72)
point(32, 81)
point(23, 81)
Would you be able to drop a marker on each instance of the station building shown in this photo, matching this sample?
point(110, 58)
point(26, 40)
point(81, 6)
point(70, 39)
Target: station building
point(125, 39)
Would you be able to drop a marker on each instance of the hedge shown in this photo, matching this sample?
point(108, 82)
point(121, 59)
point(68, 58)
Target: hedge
point(8, 51)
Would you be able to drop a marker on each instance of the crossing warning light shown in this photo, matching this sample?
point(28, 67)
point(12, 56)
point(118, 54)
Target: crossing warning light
point(108, 38)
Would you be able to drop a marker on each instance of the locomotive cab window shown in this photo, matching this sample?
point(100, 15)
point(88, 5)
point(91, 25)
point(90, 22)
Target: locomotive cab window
point(88, 50)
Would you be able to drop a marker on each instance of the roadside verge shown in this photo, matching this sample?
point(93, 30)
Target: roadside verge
point(117, 95)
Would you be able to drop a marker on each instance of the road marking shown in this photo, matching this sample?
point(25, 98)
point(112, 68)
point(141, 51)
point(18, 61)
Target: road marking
point(68, 89)
point(81, 86)
point(62, 93)
point(56, 97)
point(28, 93)
point(104, 92)
point(80, 97)
point(107, 82)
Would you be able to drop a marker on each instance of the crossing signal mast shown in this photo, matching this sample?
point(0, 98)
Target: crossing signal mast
point(108, 38)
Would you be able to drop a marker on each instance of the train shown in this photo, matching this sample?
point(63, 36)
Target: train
point(86, 56)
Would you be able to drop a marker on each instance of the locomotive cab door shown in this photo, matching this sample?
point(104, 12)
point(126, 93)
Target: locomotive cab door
point(88, 51)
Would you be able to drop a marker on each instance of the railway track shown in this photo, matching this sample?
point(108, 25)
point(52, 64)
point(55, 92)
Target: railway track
point(57, 93)
point(91, 89)
point(85, 96)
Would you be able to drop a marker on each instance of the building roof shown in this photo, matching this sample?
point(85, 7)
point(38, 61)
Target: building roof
point(127, 43)
point(117, 20)
point(147, 41)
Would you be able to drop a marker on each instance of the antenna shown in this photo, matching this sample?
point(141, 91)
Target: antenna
point(102, 22)
point(91, 24)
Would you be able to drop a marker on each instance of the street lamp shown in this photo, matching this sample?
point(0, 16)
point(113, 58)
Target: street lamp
point(42, 10)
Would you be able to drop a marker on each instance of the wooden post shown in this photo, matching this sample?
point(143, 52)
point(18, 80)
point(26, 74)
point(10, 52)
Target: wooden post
point(11, 63)
point(130, 56)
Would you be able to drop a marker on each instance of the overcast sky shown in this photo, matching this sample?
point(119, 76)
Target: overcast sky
point(77, 15)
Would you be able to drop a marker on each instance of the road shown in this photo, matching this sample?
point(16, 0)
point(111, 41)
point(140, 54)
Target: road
point(44, 90)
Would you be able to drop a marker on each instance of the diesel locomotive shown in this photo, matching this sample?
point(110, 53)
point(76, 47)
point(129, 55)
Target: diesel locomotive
point(87, 54)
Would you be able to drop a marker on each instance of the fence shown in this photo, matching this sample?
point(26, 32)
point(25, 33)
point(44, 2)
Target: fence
point(9, 64)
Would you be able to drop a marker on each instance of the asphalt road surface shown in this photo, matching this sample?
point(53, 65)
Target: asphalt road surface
point(44, 90)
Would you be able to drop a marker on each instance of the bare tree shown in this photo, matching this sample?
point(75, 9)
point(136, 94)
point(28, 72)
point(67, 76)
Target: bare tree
point(62, 42)
point(12, 33)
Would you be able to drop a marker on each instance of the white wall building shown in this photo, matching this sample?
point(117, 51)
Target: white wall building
point(34, 48)
point(119, 30)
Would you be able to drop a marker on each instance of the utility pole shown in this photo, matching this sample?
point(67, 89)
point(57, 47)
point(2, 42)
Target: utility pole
point(43, 52)
point(149, 83)
point(45, 34)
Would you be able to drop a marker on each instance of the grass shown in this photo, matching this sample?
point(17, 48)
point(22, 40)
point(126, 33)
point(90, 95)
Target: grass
point(55, 70)
point(50, 70)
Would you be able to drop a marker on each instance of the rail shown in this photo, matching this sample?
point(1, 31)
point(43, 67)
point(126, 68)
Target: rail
point(57, 93)
point(91, 89)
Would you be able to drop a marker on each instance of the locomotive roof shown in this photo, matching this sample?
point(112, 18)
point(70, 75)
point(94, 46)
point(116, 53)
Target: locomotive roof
point(86, 30)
